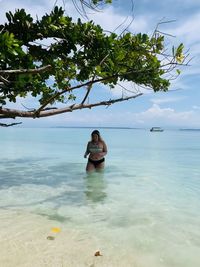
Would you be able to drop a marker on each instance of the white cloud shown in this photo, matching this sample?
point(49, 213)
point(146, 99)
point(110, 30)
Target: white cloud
point(196, 107)
point(155, 115)
point(166, 100)
point(167, 116)
point(89, 118)
point(188, 29)
point(187, 32)
point(35, 8)
point(109, 19)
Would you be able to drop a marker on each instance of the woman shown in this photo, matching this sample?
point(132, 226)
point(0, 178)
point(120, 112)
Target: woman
point(97, 149)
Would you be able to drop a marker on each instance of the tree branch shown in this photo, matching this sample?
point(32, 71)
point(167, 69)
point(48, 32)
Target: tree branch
point(5, 81)
point(88, 84)
point(38, 70)
point(31, 114)
point(10, 124)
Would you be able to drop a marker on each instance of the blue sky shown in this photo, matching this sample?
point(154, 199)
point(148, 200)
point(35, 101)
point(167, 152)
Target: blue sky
point(180, 107)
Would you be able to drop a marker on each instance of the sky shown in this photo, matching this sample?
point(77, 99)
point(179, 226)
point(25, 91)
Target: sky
point(177, 108)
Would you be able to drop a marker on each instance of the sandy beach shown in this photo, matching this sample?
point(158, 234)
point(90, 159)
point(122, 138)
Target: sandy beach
point(25, 242)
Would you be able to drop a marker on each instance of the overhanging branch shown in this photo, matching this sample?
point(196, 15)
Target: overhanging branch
point(22, 71)
point(9, 124)
point(87, 84)
point(47, 113)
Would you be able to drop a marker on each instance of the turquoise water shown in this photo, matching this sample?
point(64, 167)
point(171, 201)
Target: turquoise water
point(147, 201)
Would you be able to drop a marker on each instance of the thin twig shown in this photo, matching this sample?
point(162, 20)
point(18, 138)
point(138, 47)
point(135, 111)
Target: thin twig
point(38, 70)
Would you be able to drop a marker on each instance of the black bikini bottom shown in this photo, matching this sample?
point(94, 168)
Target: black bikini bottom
point(96, 162)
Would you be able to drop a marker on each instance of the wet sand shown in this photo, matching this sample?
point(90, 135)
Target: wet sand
point(24, 243)
point(30, 240)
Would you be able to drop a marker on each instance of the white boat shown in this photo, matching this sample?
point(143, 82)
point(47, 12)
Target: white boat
point(156, 129)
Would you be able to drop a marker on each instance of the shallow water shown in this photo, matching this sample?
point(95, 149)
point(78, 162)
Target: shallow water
point(145, 205)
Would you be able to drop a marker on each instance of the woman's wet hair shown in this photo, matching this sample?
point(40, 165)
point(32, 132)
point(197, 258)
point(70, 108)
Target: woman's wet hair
point(96, 132)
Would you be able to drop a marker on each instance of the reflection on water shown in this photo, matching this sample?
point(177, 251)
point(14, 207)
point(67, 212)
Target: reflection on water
point(95, 187)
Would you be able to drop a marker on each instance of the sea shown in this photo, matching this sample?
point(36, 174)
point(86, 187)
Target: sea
point(145, 204)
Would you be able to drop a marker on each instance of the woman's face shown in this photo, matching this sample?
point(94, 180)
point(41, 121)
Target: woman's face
point(95, 137)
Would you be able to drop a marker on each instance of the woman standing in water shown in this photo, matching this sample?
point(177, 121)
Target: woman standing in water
point(96, 149)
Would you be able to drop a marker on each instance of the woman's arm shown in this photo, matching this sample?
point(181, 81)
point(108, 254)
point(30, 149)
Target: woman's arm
point(105, 150)
point(87, 151)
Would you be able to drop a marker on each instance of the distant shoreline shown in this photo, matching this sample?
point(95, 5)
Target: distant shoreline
point(97, 127)
point(189, 129)
point(111, 127)
point(115, 127)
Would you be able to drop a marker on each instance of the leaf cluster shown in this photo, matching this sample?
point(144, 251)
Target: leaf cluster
point(77, 52)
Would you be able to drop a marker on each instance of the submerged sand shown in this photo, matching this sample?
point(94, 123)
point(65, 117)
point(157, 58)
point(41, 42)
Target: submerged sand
point(31, 240)
point(25, 242)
